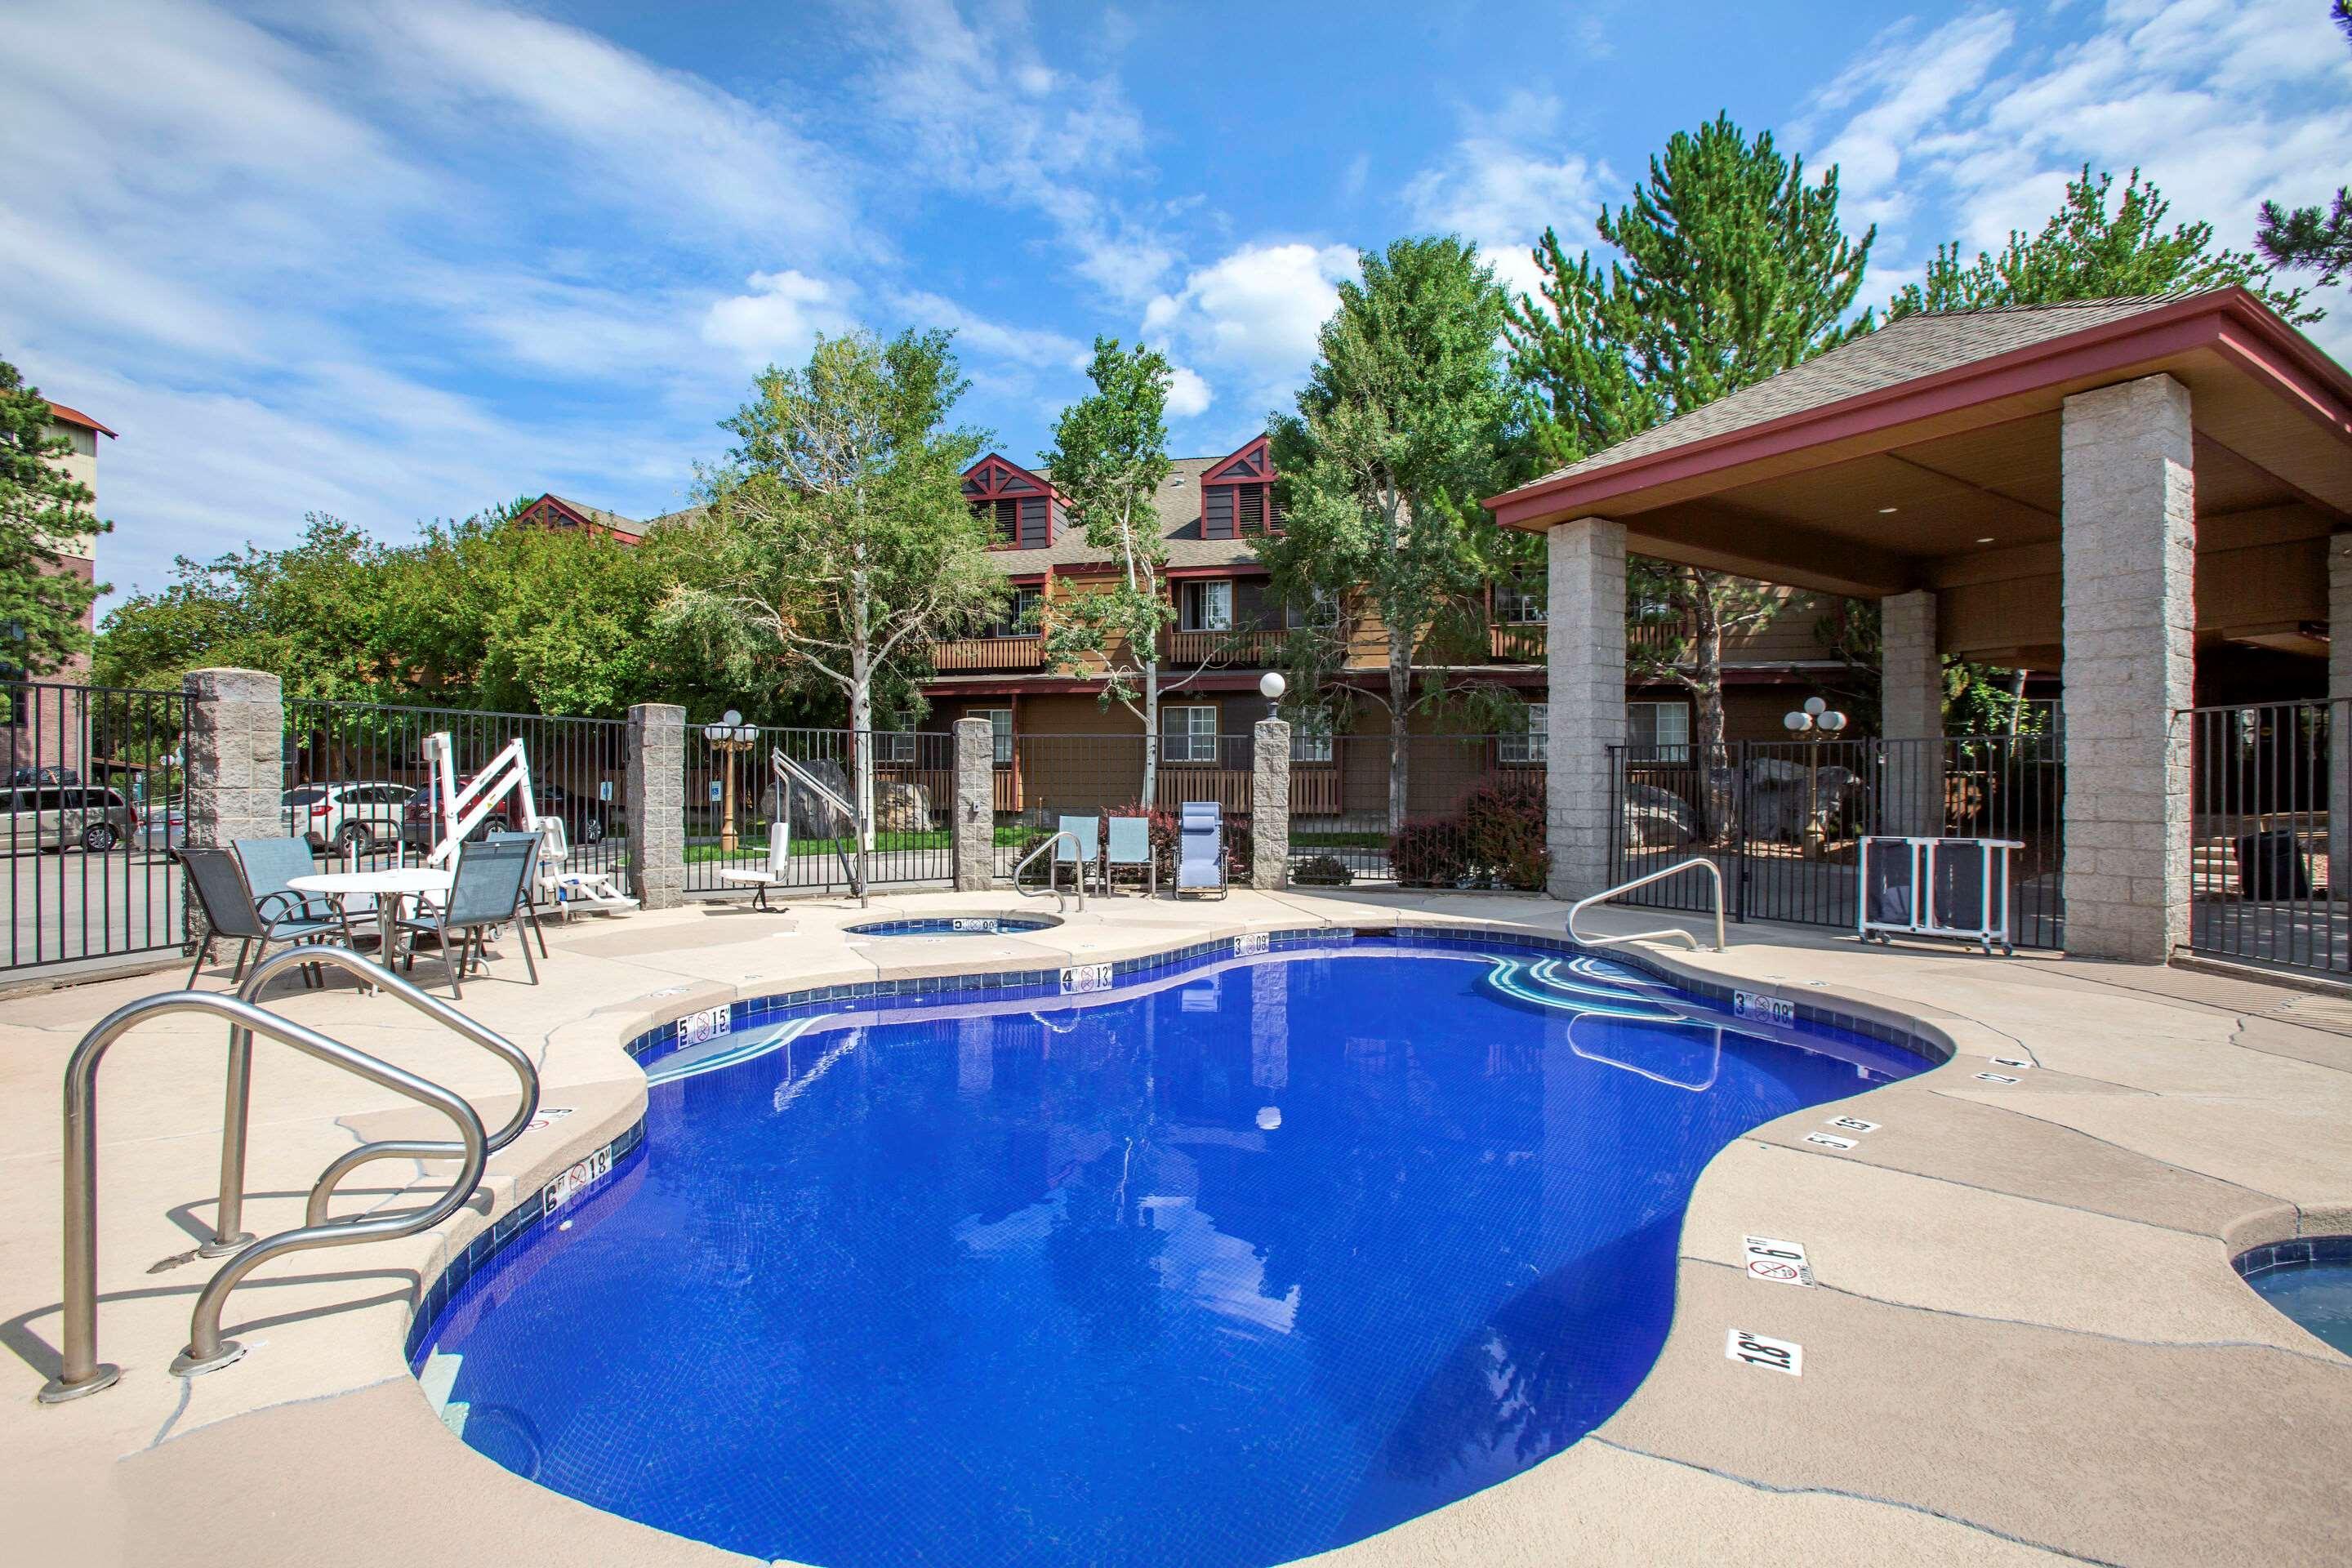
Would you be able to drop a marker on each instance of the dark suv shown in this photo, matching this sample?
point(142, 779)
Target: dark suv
point(585, 819)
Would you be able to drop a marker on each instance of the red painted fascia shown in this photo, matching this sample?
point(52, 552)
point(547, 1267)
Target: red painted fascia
point(2262, 342)
point(65, 415)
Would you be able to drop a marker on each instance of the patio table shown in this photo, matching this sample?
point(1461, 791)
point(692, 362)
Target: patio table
point(391, 890)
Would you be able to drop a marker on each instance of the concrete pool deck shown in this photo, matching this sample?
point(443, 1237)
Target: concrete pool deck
point(2025, 1339)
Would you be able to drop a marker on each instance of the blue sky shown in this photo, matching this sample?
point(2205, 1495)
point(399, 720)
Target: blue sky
point(402, 260)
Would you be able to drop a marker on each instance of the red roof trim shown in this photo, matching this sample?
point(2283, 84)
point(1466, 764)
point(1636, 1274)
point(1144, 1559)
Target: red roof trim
point(580, 519)
point(2230, 319)
point(1257, 446)
point(64, 416)
point(994, 466)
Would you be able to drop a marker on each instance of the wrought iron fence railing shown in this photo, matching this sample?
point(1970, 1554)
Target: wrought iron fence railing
point(2270, 813)
point(735, 816)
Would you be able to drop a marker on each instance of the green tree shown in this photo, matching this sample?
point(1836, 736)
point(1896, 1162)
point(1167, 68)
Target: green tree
point(1395, 437)
point(1109, 456)
point(43, 510)
point(837, 536)
point(1733, 269)
point(2086, 251)
point(2307, 237)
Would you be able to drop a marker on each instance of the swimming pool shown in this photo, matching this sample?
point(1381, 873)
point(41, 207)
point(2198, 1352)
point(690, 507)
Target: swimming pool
point(2308, 1278)
point(1235, 1263)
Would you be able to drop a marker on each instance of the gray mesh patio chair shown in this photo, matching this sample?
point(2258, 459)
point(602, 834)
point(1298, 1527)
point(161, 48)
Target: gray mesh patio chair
point(1201, 849)
point(487, 893)
point(1128, 848)
point(232, 908)
point(538, 843)
point(1087, 856)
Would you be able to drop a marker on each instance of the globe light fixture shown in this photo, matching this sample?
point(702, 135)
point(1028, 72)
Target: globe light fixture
point(1271, 686)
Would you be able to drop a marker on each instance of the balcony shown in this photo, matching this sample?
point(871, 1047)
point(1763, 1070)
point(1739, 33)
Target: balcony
point(988, 655)
point(1517, 644)
point(1250, 647)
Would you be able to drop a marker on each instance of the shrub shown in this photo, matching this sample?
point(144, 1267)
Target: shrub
point(1503, 832)
point(1430, 852)
point(1321, 871)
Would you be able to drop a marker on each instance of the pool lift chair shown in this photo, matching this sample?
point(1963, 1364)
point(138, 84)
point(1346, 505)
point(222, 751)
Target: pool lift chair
point(565, 889)
point(849, 828)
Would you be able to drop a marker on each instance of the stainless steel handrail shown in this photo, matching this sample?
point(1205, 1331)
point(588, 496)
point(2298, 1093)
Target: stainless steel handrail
point(227, 1219)
point(1709, 867)
point(1057, 836)
point(80, 1371)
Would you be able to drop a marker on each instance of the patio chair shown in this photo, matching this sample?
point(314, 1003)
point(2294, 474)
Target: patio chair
point(231, 909)
point(1087, 856)
point(270, 867)
point(529, 909)
point(1129, 847)
point(487, 893)
point(776, 874)
point(1201, 849)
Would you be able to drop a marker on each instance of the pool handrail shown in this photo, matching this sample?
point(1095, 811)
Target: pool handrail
point(1052, 883)
point(1602, 896)
point(227, 1235)
point(788, 773)
point(79, 1371)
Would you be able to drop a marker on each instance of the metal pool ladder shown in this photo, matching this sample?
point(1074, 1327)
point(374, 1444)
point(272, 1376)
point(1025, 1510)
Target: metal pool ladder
point(1602, 896)
point(1048, 842)
point(80, 1371)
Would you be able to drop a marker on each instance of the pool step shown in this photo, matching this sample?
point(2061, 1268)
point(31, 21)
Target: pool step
point(1582, 985)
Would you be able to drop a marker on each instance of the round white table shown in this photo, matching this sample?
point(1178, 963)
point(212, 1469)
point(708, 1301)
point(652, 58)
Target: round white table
point(390, 888)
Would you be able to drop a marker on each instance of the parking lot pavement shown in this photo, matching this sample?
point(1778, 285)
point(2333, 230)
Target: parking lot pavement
point(70, 907)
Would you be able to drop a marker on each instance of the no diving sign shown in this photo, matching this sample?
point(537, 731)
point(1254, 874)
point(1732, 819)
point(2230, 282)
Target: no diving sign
point(1775, 1262)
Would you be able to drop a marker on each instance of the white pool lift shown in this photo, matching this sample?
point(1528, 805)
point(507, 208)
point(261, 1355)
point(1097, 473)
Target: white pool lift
point(562, 887)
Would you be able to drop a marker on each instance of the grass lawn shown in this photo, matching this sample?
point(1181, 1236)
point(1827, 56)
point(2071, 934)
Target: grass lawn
point(750, 848)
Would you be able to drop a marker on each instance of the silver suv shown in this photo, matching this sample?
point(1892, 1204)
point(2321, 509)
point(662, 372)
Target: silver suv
point(347, 817)
point(65, 817)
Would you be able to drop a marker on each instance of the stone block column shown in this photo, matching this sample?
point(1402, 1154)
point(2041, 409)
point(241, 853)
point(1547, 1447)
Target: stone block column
point(1270, 805)
point(1911, 715)
point(2339, 716)
point(975, 806)
point(2128, 543)
point(235, 752)
point(1586, 644)
point(654, 804)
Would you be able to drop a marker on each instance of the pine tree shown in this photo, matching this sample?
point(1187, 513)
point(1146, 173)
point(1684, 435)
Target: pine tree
point(1734, 269)
point(2087, 252)
point(2309, 236)
point(43, 510)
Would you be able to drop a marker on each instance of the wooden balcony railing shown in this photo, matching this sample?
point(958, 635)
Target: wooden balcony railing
point(969, 654)
point(1653, 639)
point(1518, 644)
point(1314, 787)
point(1252, 648)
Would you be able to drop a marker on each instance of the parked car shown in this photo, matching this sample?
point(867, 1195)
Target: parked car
point(347, 817)
point(584, 819)
point(55, 775)
point(69, 817)
point(162, 827)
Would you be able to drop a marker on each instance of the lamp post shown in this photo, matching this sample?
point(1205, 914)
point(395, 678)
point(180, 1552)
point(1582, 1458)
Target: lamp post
point(729, 737)
point(1814, 721)
point(1271, 686)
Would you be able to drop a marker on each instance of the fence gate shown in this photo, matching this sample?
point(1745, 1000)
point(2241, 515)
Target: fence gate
point(94, 801)
point(1783, 820)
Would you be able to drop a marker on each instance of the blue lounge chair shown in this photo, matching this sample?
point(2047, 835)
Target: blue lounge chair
point(1201, 849)
point(1129, 847)
point(1087, 856)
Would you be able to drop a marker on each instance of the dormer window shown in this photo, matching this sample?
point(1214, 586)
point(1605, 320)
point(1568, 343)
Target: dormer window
point(1237, 495)
point(1023, 512)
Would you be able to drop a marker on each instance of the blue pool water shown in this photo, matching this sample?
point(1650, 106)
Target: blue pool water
point(1232, 1267)
point(957, 925)
point(2317, 1292)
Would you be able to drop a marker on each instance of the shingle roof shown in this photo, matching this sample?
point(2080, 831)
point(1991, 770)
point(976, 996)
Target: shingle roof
point(600, 517)
point(1903, 350)
point(1179, 504)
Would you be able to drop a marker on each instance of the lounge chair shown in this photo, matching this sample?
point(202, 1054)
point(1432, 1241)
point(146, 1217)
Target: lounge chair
point(232, 908)
point(1201, 849)
point(778, 873)
point(488, 892)
point(1129, 847)
point(1088, 857)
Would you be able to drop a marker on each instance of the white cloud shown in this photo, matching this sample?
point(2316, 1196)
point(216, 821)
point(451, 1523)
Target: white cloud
point(1253, 315)
point(1495, 188)
point(1907, 85)
point(1188, 394)
point(1028, 346)
point(779, 320)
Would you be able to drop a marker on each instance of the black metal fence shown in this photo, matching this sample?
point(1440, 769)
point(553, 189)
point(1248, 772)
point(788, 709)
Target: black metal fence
point(355, 777)
point(2269, 812)
point(95, 802)
point(1782, 820)
point(733, 810)
point(1341, 794)
point(1040, 779)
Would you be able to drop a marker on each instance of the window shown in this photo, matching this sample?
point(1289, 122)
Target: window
point(1310, 737)
point(1206, 606)
point(894, 745)
point(1659, 731)
point(1520, 605)
point(1525, 750)
point(1002, 517)
point(1020, 617)
point(1322, 610)
point(1000, 729)
point(1188, 734)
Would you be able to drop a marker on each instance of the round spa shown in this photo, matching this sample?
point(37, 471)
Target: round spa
point(1229, 1258)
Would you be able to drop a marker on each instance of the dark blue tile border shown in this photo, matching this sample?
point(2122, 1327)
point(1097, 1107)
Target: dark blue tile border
point(2296, 1253)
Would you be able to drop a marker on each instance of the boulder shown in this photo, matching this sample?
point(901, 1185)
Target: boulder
point(1657, 818)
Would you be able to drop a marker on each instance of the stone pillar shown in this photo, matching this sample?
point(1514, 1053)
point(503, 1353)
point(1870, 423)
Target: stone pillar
point(1586, 642)
point(2339, 716)
point(2128, 541)
point(654, 804)
point(234, 755)
point(1270, 805)
point(975, 806)
point(1911, 715)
